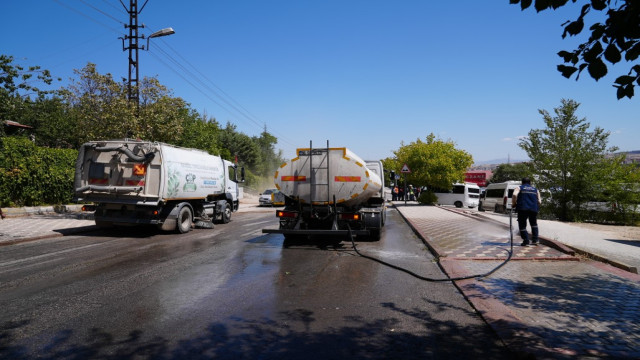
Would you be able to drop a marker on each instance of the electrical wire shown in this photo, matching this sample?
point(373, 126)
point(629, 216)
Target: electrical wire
point(102, 12)
point(203, 87)
point(207, 90)
point(87, 16)
point(510, 252)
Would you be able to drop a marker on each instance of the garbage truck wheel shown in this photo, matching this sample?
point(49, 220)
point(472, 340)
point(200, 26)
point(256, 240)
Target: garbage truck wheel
point(226, 213)
point(184, 220)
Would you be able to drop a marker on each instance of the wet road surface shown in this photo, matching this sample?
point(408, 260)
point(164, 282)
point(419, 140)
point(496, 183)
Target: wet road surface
point(232, 292)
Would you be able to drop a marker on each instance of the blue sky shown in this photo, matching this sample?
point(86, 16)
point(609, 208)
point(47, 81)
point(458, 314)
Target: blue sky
point(365, 74)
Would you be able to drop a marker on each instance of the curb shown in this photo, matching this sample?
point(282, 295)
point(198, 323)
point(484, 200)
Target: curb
point(40, 210)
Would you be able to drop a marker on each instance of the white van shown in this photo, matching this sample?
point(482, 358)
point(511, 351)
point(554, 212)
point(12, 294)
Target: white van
point(467, 194)
point(497, 197)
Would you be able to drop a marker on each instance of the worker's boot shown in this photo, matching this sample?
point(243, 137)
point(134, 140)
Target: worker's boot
point(525, 237)
point(534, 235)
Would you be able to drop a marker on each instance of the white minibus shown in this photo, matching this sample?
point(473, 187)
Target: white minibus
point(467, 194)
point(497, 196)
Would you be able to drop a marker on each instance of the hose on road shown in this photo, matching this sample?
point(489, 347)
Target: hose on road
point(441, 279)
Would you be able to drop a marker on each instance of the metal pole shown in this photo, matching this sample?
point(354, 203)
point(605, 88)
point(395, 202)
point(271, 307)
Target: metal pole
point(134, 72)
point(404, 193)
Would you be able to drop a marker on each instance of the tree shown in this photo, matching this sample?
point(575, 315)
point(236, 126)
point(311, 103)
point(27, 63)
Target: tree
point(434, 163)
point(618, 36)
point(240, 146)
point(201, 132)
point(20, 91)
point(100, 107)
point(391, 164)
point(568, 161)
point(269, 159)
point(506, 172)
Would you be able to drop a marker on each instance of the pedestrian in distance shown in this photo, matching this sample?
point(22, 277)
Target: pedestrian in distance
point(412, 195)
point(394, 193)
point(526, 200)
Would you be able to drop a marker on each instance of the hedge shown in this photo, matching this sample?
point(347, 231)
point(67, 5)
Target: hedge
point(32, 175)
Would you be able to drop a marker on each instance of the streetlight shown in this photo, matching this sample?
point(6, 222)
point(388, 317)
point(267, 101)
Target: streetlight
point(163, 32)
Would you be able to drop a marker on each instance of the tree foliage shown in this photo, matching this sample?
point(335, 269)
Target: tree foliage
point(94, 107)
point(269, 158)
point(21, 92)
point(506, 172)
point(32, 175)
point(434, 163)
point(616, 39)
point(570, 162)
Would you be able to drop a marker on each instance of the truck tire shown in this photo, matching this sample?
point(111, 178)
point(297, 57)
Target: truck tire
point(185, 219)
point(104, 224)
point(225, 216)
point(458, 204)
point(374, 234)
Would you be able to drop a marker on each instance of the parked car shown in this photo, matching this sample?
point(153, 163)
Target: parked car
point(497, 197)
point(266, 198)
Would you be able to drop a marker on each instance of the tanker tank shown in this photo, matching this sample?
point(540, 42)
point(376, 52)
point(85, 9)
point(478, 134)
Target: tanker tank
point(321, 176)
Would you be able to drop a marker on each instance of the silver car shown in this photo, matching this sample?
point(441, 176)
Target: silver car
point(265, 198)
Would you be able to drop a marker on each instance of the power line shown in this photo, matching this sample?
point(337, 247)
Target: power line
point(115, 7)
point(100, 11)
point(85, 15)
point(219, 93)
point(210, 81)
point(239, 109)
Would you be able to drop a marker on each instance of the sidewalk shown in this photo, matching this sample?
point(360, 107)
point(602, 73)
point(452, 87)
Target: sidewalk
point(34, 223)
point(545, 303)
point(605, 246)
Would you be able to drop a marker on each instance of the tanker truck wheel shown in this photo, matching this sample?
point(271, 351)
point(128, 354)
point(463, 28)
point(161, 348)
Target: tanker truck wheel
point(374, 234)
point(184, 220)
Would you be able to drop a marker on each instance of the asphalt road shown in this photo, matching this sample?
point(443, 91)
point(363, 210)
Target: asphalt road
point(232, 292)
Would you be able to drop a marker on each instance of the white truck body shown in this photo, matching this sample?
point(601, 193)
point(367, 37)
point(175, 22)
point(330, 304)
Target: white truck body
point(142, 182)
point(330, 191)
point(349, 179)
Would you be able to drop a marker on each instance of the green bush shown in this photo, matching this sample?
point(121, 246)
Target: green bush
point(427, 198)
point(32, 175)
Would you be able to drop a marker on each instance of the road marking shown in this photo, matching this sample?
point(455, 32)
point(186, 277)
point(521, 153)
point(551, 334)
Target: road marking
point(7, 263)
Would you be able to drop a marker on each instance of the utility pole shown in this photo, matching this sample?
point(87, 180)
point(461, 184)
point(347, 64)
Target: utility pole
point(133, 90)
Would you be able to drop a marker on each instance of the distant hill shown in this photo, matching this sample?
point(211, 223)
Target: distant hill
point(499, 161)
point(495, 162)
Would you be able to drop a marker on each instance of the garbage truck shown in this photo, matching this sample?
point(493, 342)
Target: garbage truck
point(330, 191)
point(134, 182)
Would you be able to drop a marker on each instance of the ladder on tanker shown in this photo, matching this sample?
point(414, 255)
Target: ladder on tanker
point(317, 183)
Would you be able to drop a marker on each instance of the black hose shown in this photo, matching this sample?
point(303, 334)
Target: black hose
point(431, 279)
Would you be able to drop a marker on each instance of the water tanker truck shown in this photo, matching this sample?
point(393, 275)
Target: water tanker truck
point(141, 182)
point(330, 191)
